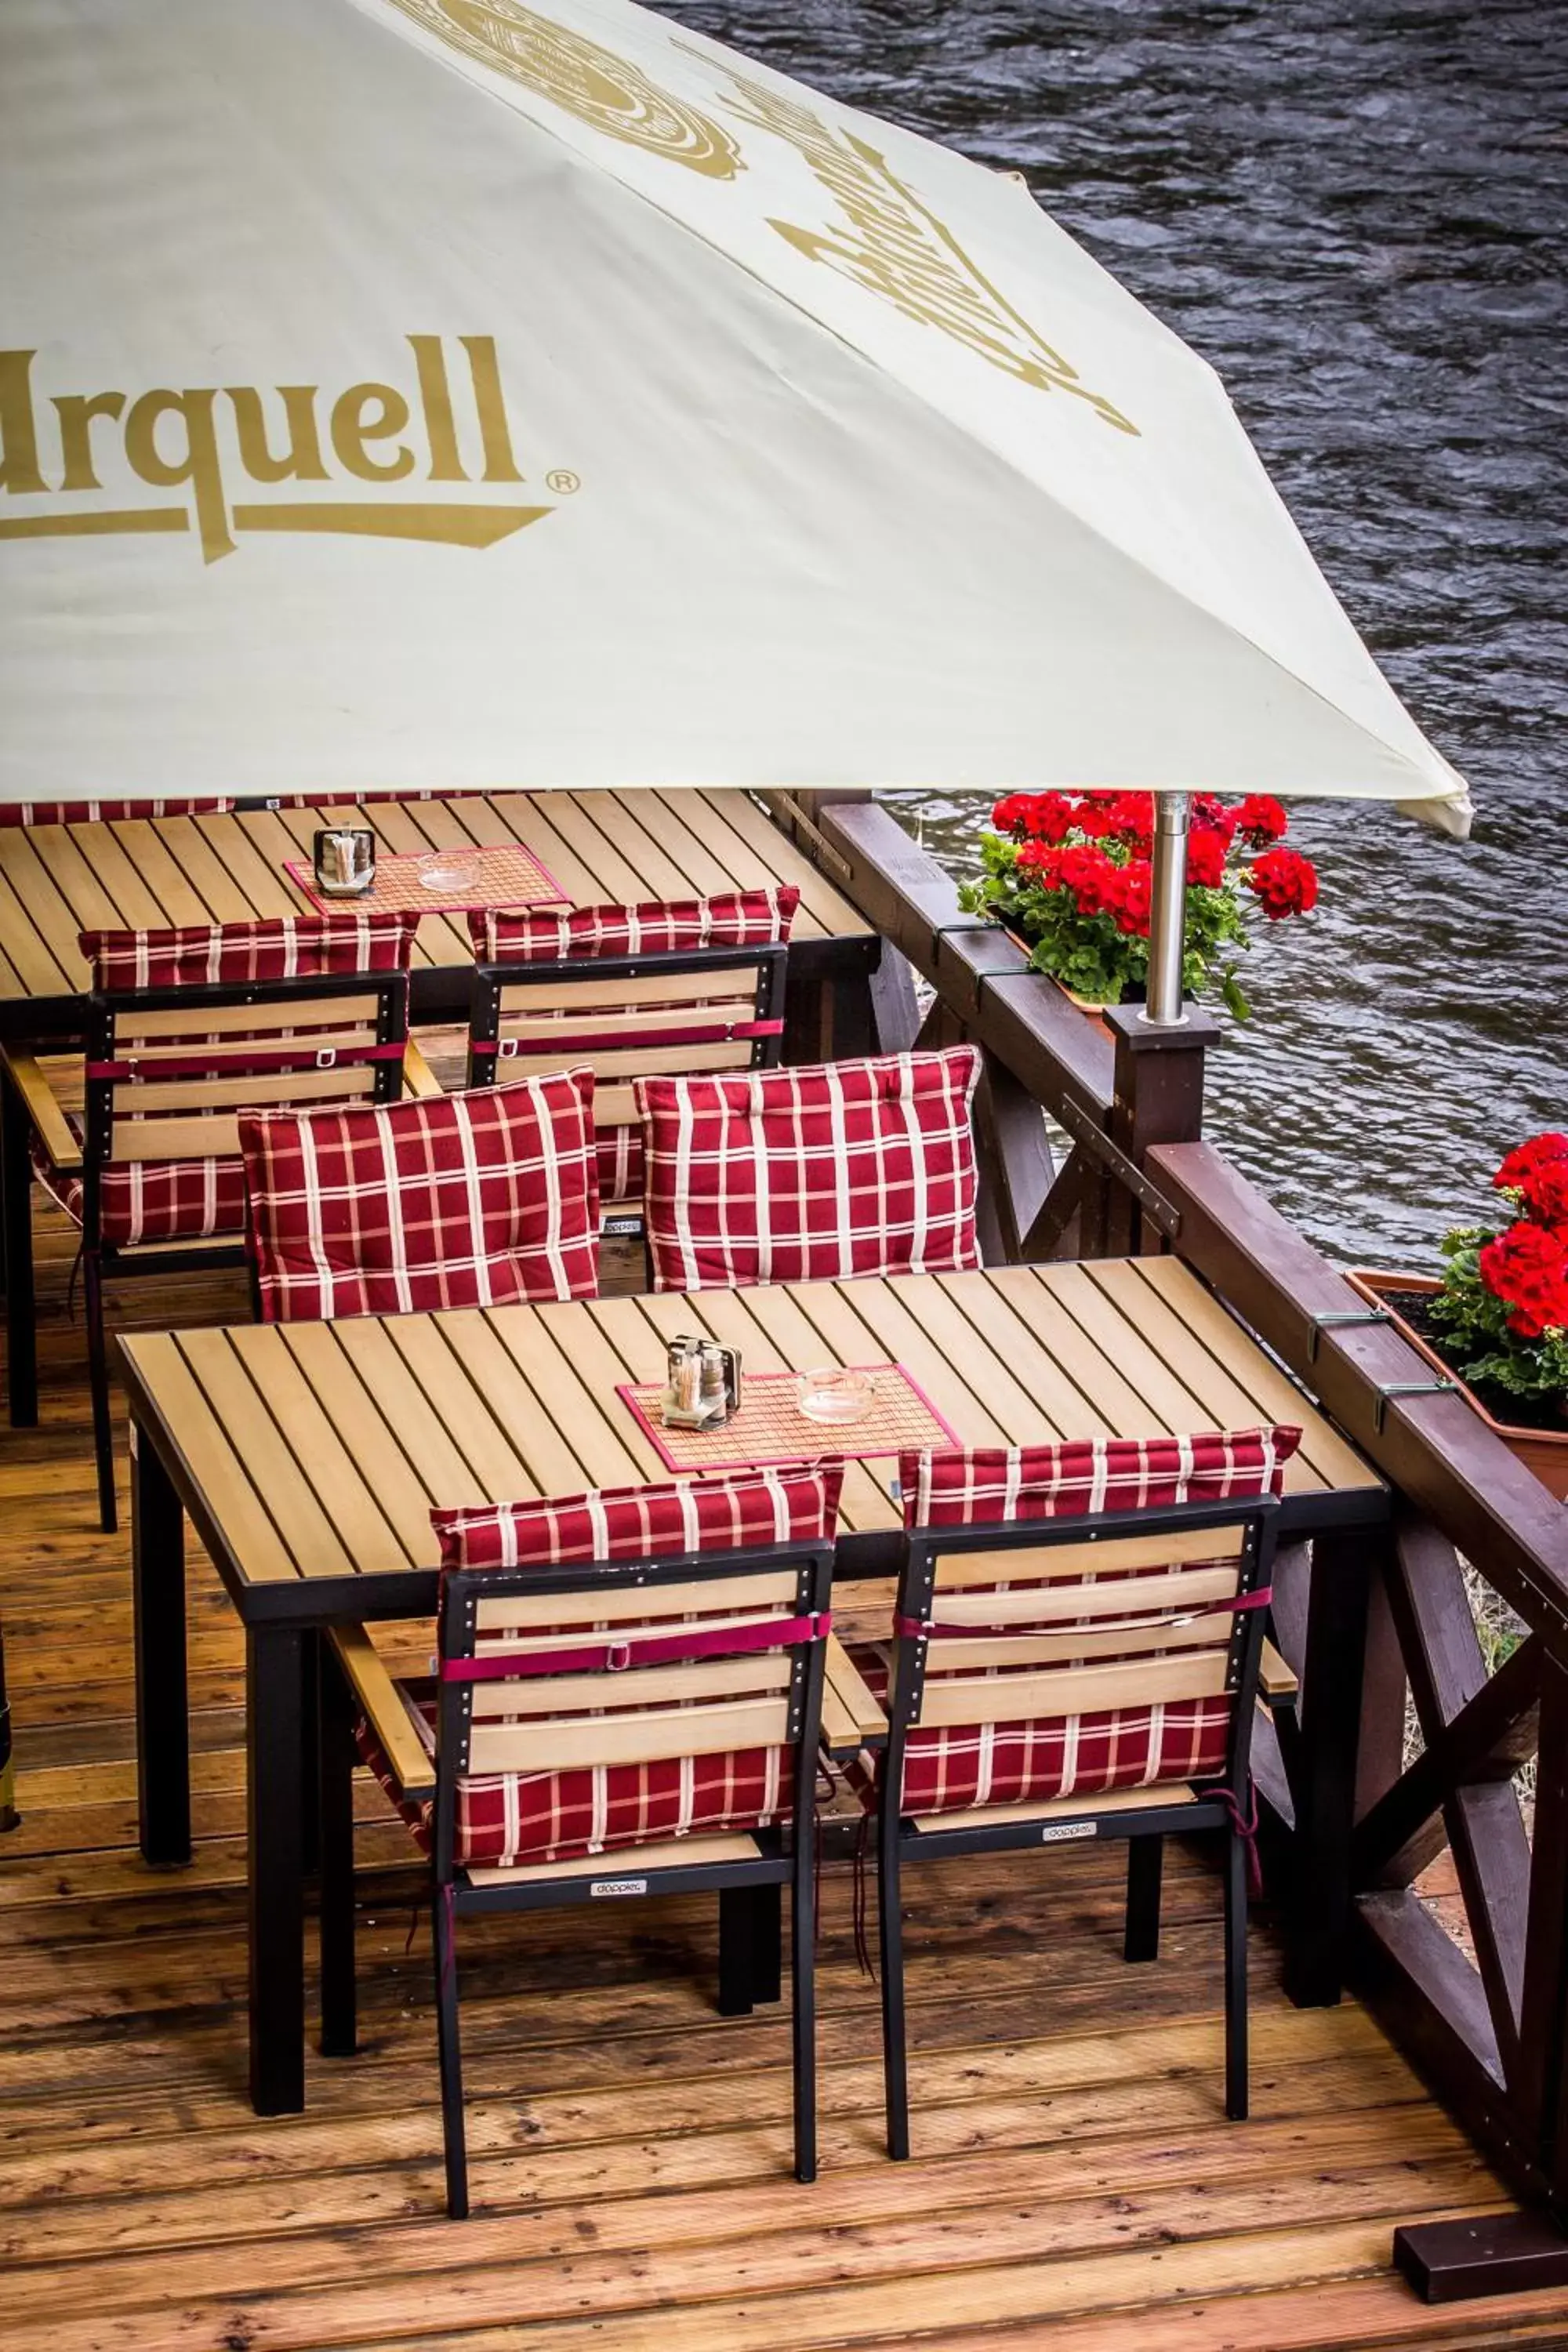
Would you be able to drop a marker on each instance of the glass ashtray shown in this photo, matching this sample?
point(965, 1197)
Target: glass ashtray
point(835, 1396)
point(450, 870)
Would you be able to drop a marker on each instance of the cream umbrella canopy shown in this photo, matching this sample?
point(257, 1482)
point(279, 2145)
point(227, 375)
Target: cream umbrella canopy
point(401, 392)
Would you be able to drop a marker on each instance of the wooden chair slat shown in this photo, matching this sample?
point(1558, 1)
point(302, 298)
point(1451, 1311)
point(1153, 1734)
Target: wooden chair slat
point(1116, 1596)
point(524, 1004)
point(1088, 1559)
point(971, 1656)
point(1070, 1690)
point(139, 1100)
point(557, 1745)
point(721, 1600)
point(671, 1686)
point(348, 1013)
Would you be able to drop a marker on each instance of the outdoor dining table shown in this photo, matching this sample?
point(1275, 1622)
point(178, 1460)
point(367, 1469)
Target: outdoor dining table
point(307, 1458)
point(59, 880)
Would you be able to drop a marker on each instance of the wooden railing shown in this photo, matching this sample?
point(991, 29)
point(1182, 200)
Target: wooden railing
point(1371, 1621)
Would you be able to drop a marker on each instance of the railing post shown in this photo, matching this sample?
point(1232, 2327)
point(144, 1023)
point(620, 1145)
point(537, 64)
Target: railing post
point(1158, 1095)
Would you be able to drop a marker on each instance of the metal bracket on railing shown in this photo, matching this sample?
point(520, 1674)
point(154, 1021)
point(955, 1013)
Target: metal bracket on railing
point(1085, 1130)
point(961, 930)
point(1340, 1318)
point(1406, 1388)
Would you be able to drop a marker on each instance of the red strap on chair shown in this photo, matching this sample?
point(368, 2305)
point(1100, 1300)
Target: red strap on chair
point(658, 1650)
point(239, 1060)
point(925, 1629)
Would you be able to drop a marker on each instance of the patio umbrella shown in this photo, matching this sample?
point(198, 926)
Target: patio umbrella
point(403, 393)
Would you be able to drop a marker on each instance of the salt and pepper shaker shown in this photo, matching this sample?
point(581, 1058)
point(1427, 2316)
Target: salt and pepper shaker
point(702, 1387)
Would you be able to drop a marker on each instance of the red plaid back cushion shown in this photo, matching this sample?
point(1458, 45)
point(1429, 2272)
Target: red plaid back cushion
point(478, 1200)
point(681, 1515)
point(962, 1485)
point(509, 1816)
point(953, 1768)
point(103, 811)
point(287, 947)
point(741, 918)
point(807, 1174)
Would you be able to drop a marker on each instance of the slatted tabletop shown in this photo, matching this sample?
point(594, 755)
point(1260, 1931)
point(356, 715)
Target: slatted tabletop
point(315, 1451)
point(59, 880)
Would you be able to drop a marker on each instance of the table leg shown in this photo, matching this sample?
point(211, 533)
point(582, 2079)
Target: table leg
point(16, 1222)
point(275, 1732)
point(1331, 1711)
point(162, 1709)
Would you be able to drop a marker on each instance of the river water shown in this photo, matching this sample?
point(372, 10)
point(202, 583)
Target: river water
point(1358, 211)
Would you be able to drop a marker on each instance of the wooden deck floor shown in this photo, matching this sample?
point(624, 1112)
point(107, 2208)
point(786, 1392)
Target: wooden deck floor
point(1073, 2184)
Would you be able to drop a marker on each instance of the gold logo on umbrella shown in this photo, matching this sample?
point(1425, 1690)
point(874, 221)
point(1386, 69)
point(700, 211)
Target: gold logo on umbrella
point(595, 84)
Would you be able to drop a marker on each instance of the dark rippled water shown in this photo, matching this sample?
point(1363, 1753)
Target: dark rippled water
point(1359, 212)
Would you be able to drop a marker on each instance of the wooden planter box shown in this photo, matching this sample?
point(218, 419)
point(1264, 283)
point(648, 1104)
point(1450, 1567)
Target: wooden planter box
point(1543, 1451)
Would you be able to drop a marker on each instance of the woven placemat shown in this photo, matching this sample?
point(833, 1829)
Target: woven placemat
point(508, 875)
point(770, 1426)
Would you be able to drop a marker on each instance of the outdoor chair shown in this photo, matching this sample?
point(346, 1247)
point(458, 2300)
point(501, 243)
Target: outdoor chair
point(188, 1029)
point(476, 1200)
point(1075, 1657)
point(812, 1173)
point(627, 1703)
point(676, 986)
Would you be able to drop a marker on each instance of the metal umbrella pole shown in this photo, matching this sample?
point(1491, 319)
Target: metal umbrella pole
point(1168, 911)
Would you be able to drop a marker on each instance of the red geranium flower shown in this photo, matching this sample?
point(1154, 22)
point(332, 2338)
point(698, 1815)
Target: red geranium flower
point(1211, 815)
point(1206, 859)
point(1260, 820)
point(1049, 817)
point(1540, 1151)
point(1285, 883)
point(1527, 1268)
point(1008, 812)
point(1133, 892)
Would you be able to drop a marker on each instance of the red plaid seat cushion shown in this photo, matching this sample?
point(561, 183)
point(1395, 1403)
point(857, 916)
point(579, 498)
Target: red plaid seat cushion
point(103, 811)
point(953, 1768)
point(477, 1200)
point(808, 1174)
point(146, 1202)
point(737, 918)
point(506, 1818)
point(511, 1817)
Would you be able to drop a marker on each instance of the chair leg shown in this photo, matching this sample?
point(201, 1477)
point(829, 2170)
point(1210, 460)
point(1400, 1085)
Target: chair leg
point(1145, 1862)
point(97, 1377)
point(895, 2058)
point(1236, 2067)
point(802, 1996)
point(340, 2020)
point(21, 1330)
point(451, 2058)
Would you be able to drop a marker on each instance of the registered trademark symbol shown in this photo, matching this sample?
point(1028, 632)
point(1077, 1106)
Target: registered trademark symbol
point(563, 482)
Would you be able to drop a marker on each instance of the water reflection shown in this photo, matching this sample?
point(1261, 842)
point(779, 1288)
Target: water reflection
point(1356, 209)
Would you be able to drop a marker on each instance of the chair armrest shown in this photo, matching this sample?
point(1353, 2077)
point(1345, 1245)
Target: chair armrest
point(418, 1078)
point(1275, 1680)
point(379, 1695)
point(50, 1125)
point(851, 1717)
